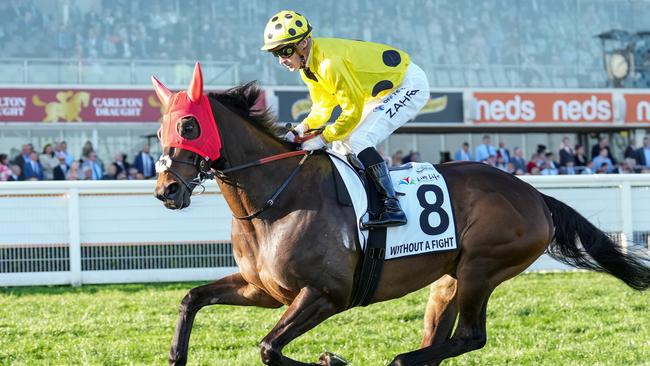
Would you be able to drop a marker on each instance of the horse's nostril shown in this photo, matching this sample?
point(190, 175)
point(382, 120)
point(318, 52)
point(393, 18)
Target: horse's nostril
point(172, 189)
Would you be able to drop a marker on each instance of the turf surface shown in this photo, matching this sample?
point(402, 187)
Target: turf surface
point(534, 319)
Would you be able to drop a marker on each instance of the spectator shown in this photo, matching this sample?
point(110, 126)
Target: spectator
point(536, 161)
point(16, 173)
point(63, 148)
point(111, 173)
point(91, 163)
point(603, 160)
point(48, 161)
point(603, 144)
point(144, 162)
point(628, 166)
point(643, 154)
point(33, 169)
point(61, 169)
point(483, 151)
point(86, 150)
point(397, 157)
point(463, 154)
point(415, 157)
point(569, 168)
point(580, 157)
point(23, 157)
point(518, 160)
point(120, 163)
point(630, 150)
point(133, 172)
point(445, 157)
point(566, 152)
point(73, 172)
point(503, 152)
point(491, 160)
point(5, 171)
point(549, 165)
point(501, 163)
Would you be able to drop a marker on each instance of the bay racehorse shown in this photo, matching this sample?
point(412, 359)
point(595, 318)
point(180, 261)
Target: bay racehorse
point(300, 249)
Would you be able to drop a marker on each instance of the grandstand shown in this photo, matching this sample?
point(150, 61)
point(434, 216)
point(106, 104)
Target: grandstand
point(462, 45)
point(501, 43)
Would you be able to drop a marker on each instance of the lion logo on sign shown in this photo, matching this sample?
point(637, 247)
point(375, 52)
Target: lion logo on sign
point(67, 108)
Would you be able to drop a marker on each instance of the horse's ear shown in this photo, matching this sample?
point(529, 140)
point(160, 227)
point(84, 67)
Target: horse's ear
point(195, 90)
point(163, 93)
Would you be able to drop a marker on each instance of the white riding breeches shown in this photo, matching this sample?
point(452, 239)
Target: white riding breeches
point(381, 117)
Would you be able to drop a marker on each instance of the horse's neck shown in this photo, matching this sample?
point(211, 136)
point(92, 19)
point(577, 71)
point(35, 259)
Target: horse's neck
point(248, 190)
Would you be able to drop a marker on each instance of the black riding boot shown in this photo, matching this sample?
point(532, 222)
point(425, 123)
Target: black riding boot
point(391, 214)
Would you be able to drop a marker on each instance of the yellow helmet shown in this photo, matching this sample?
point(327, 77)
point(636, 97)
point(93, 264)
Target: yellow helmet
point(285, 27)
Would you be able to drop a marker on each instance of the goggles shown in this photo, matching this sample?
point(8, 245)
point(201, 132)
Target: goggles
point(286, 51)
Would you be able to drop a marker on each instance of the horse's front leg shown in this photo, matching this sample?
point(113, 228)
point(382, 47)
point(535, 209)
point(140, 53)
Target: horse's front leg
point(230, 290)
point(307, 310)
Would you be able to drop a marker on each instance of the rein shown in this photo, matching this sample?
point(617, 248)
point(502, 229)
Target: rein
point(221, 174)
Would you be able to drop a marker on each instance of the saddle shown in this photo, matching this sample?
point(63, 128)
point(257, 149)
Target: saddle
point(425, 199)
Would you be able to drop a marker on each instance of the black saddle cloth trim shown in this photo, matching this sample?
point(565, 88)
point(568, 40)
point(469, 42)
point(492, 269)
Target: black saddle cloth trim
point(371, 263)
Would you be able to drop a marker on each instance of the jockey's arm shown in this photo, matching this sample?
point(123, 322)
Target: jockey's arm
point(323, 104)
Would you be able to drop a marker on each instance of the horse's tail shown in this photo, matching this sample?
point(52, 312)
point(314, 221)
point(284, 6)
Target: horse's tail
point(38, 102)
point(597, 251)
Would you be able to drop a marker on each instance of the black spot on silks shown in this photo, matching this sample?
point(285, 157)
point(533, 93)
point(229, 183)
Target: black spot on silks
point(391, 58)
point(381, 86)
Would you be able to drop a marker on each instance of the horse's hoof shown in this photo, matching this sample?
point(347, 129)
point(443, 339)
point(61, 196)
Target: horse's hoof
point(330, 359)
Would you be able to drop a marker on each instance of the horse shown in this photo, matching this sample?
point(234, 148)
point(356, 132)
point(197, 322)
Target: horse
point(300, 248)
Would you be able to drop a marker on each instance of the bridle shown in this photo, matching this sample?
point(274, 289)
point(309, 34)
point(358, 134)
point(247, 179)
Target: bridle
point(202, 165)
point(205, 172)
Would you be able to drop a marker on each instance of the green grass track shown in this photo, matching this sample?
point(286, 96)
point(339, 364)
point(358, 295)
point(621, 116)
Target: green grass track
point(534, 319)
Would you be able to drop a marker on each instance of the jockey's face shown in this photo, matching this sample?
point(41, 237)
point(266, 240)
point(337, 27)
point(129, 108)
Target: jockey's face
point(293, 57)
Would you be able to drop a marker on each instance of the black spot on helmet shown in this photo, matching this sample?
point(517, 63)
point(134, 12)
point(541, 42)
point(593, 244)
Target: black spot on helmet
point(298, 23)
point(288, 16)
point(275, 19)
point(269, 36)
point(292, 31)
point(278, 26)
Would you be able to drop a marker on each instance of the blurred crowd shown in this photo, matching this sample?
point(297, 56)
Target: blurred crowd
point(566, 159)
point(55, 162)
point(458, 34)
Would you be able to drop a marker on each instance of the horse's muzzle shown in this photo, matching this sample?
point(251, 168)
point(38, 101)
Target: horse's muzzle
point(173, 195)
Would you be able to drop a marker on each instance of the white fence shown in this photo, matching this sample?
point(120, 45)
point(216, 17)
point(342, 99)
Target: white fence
point(116, 231)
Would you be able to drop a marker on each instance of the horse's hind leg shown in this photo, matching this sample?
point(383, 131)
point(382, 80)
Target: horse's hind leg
point(230, 290)
point(470, 333)
point(308, 309)
point(441, 313)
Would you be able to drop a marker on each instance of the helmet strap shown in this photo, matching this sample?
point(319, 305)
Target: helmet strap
point(303, 58)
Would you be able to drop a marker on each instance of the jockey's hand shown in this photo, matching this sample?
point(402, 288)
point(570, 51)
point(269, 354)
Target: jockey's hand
point(298, 131)
point(315, 143)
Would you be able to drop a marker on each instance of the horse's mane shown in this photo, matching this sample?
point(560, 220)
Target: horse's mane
point(241, 100)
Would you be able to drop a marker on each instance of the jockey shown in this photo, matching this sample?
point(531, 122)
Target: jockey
point(377, 87)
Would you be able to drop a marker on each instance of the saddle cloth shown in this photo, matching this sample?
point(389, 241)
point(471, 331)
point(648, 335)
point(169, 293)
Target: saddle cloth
point(426, 201)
